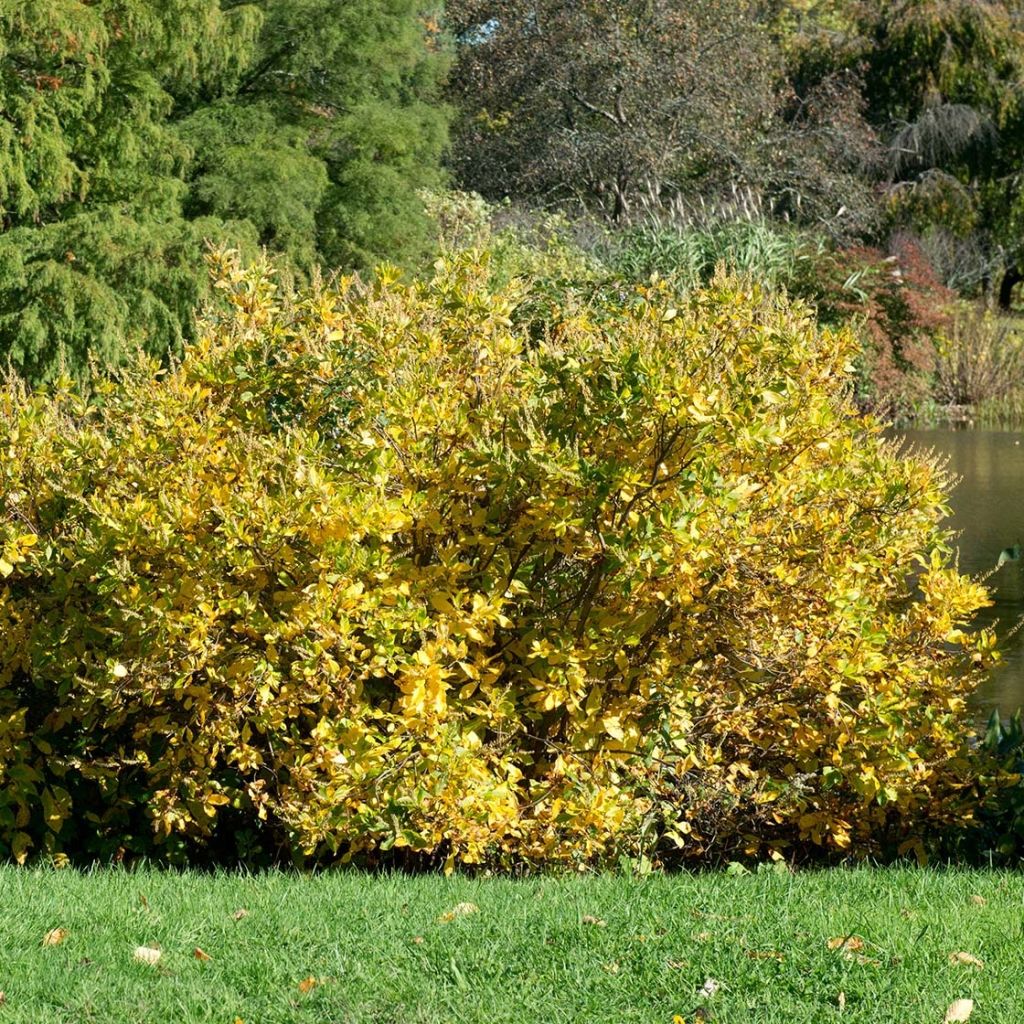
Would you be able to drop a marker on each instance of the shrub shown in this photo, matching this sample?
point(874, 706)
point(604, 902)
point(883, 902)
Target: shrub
point(898, 306)
point(373, 569)
point(979, 360)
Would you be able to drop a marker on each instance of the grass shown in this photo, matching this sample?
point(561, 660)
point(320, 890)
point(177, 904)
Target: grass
point(379, 953)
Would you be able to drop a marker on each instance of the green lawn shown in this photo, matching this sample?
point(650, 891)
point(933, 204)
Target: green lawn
point(379, 952)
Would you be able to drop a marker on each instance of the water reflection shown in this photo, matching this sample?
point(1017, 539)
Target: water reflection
point(988, 512)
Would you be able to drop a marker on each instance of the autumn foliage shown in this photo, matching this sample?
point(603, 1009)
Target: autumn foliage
point(372, 569)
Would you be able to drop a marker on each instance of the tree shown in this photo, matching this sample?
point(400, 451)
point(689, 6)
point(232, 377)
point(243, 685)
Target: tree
point(327, 135)
point(607, 103)
point(133, 130)
point(941, 84)
point(650, 104)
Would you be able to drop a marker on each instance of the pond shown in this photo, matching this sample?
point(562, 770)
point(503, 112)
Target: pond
point(988, 513)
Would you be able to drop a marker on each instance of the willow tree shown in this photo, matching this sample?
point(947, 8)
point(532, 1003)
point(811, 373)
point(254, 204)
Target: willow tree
point(133, 130)
point(941, 82)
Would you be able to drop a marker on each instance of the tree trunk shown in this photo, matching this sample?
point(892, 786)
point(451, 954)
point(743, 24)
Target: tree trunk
point(1011, 279)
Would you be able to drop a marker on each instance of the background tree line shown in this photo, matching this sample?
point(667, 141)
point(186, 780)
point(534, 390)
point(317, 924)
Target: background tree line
point(131, 131)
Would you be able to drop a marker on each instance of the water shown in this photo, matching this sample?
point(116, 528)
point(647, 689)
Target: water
point(988, 513)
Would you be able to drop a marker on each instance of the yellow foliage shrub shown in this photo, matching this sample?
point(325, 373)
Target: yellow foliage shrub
point(373, 569)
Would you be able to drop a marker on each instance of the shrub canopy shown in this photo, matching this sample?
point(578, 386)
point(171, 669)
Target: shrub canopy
point(374, 568)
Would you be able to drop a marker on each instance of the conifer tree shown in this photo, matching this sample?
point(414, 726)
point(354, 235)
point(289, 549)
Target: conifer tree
point(131, 131)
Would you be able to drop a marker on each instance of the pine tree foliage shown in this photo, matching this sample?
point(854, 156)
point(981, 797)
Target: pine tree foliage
point(132, 131)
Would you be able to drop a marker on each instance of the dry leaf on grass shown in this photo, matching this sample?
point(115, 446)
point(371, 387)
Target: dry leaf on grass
point(201, 955)
point(848, 943)
point(860, 958)
point(959, 1011)
point(962, 959)
point(3, 998)
point(677, 965)
point(597, 922)
point(459, 910)
point(147, 955)
point(308, 984)
point(765, 954)
point(978, 901)
point(841, 1001)
point(239, 914)
point(709, 988)
point(702, 936)
point(418, 939)
point(55, 936)
point(612, 968)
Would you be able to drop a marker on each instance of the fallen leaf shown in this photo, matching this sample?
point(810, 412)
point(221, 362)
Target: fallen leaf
point(703, 936)
point(147, 954)
point(841, 1001)
point(418, 939)
point(143, 901)
point(238, 1020)
point(201, 955)
point(677, 965)
point(239, 914)
point(959, 1011)
point(459, 910)
point(709, 988)
point(3, 997)
point(962, 959)
point(612, 968)
point(308, 984)
point(849, 943)
point(860, 958)
point(978, 901)
point(765, 954)
point(55, 936)
point(595, 921)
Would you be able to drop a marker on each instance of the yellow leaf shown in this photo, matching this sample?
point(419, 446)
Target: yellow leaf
point(959, 1011)
point(962, 959)
point(55, 936)
point(239, 914)
point(308, 984)
point(20, 845)
point(147, 955)
point(613, 726)
point(850, 943)
point(201, 955)
point(459, 910)
point(595, 921)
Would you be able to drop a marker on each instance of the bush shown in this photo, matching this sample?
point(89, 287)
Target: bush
point(373, 570)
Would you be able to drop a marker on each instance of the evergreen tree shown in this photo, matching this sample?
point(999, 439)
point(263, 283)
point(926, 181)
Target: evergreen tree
point(133, 130)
